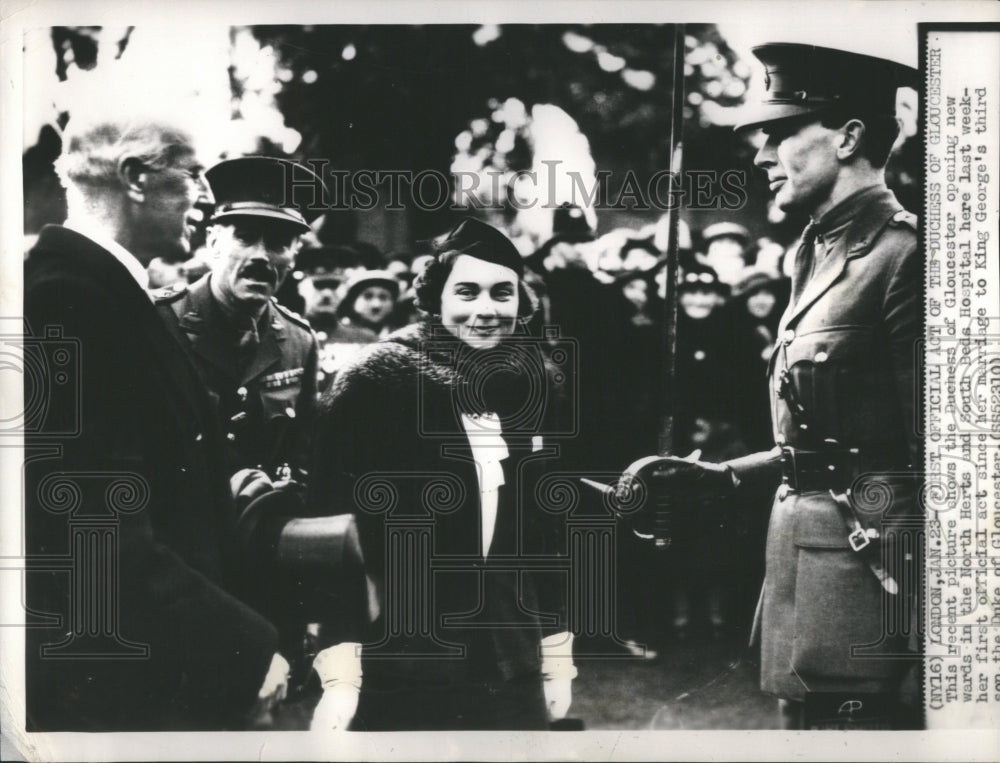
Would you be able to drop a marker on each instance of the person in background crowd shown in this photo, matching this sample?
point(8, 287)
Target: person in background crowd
point(321, 273)
point(176, 649)
point(770, 255)
point(258, 359)
point(759, 299)
point(364, 304)
point(703, 555)
point(843, 394)
point(726, 250)
point(636, 314)
point(368, 301)
point(639, 255)
point(411, 413)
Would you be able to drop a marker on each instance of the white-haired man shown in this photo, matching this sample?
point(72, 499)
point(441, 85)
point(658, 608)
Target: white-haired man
point(148, 631)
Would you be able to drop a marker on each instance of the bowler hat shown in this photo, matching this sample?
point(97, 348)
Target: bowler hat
point(263, 186)
point(803, 80)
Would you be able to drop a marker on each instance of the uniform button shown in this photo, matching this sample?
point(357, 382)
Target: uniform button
point(231, 437)
point(803, 426)
point(699, 354)
point(197, 437)
point(788, 336)
point(290, 412)
point(832, 468)
point(821, 357)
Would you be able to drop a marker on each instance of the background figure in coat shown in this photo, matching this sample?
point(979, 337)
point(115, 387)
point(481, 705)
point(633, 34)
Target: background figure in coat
point(436, 436)
point(139, 452)
point(702, 559)
point(839, 603)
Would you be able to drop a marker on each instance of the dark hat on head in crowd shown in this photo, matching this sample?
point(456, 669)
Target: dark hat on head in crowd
point(570, 224)
point(482, 241)
point(726, 230)
point(753, 279)
point(266, 187)
point(322, 260)
point(803, 80)
point(361, 281)
point(701, 277)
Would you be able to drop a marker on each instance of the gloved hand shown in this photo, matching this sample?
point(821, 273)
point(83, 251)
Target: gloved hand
point(682, 480)
point(275, 685)
point(558, 696)
point(558, 672)
point(272, 691)
point(339, 671)
point(336, 709)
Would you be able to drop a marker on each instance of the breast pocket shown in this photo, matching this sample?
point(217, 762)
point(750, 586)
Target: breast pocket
point(832, 372)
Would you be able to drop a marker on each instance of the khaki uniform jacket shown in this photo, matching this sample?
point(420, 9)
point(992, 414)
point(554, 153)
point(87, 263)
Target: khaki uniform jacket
point(848, 346)
point(267, 403)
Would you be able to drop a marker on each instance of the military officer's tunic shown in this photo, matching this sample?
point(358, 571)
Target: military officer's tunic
point(842, 378)
point(264, 391)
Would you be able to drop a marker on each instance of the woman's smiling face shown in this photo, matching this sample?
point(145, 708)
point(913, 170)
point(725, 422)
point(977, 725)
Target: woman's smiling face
point(479, 301)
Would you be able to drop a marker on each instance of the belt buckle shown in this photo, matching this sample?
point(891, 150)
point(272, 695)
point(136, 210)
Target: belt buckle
point(858, 539)
point(790, 476)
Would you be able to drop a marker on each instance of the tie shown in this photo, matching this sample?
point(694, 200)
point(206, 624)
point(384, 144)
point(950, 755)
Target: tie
point(249, 339)
point(804, 260)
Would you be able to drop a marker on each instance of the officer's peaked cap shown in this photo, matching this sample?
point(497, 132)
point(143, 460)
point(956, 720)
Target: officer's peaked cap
point(808, 79)
point(267, 187)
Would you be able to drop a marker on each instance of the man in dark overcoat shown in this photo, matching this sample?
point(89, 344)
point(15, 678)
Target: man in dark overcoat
point(257, 358)
point(133, 610)
point(838, 604)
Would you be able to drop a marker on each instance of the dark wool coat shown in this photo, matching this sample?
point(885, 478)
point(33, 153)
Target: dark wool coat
point(849, 344)
point(127, 443)
point(390, 446)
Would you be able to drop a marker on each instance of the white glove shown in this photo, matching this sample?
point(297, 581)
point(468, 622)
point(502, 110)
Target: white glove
point(558, 672)
point(336, 708)
point(558, 696)
point(275, 684)
point(339, 671)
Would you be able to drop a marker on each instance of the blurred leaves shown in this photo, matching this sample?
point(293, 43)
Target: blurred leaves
point(395, 97)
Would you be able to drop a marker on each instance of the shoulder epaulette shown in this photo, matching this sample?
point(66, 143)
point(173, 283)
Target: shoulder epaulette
point(291, 315)
point(903, 217)
point(167, 294)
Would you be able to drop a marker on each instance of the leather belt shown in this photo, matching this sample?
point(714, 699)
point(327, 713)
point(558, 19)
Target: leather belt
point(819, 470)
point(833, 470)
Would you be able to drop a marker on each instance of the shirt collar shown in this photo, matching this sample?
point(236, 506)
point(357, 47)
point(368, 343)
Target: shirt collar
point(106, 241)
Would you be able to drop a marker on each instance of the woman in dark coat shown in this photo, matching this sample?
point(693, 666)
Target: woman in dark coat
point(435, 437)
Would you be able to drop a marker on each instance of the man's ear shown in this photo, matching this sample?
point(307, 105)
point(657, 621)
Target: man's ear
point(851, 135)
point(133, 174)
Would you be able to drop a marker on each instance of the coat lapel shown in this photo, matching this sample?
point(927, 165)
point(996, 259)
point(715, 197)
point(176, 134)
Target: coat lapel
point(272, 334)
point(207, 335)
point(857, 242)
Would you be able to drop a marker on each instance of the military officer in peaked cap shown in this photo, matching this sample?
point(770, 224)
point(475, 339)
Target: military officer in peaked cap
point(257, 358)
point(837, 612)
